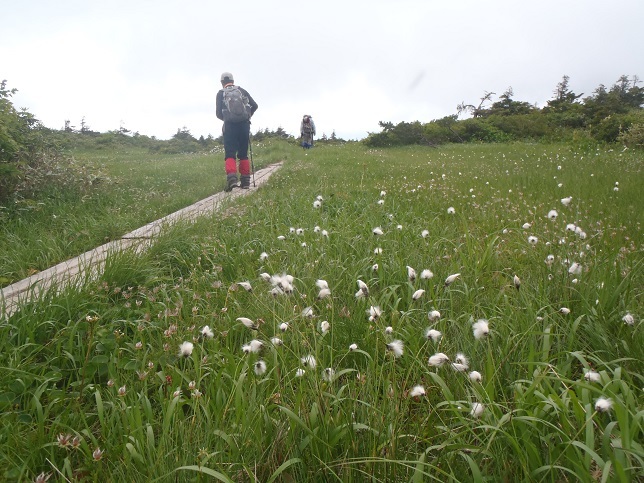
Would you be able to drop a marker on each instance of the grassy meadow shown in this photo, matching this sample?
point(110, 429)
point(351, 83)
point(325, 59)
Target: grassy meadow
point(408, 314)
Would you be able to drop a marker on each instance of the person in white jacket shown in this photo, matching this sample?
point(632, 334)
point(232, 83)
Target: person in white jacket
point(307, 131)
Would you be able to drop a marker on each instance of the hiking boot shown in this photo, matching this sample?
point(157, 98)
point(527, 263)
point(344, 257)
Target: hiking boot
point(231, 182)
point(245, 181)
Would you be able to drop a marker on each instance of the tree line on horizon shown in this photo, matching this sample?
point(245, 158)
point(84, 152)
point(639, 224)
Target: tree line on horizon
point(608, 115)
point(32, 156)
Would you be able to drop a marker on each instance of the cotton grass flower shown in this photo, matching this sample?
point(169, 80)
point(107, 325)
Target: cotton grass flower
point(324, 327)
point(381, 202)
point(564, 310)
point(592, 376)
point(377, 231)
point(328, 374)
point(424, 233)
point(396, 347)
point(433, 315)
point(321, 284)
point(253, 346)
point(426, 274)
point(418, 294)
point(575, 269)
point(324, 293)
point(526, 226)
point(207, 333)
point(603, 405)
point(247, 323)
point(517, 282)
point(475, 376)
point(263, 256)
point(480, 328)
point(433, 334)
point(185, 349)
point(438, 359)
point(566, 201)
point(628, 319)
point(259, 367)
point(325, 234)
point(477, 410)
point(374, 313)
point(449, 280)
point(411, 273)
point(300, 372)
point(389, 330)
point(374, 267)
point(353, 347)
point(283, 326)
point(552, 215)
point(377, 251)
point(417, 392)
point(276, 341)
point(317, 204)
point(451, 210)
point(309, 361)
point(363, 290)
point(308, 313)
point(246, 286)
point(533, 240)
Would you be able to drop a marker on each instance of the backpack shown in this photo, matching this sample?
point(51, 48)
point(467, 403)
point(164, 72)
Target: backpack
point(236, 107)
point(307, 127)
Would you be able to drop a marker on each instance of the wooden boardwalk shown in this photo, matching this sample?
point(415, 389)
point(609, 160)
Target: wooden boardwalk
point(90, 263)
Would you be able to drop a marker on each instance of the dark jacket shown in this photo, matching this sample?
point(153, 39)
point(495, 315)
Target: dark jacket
point(220, 102)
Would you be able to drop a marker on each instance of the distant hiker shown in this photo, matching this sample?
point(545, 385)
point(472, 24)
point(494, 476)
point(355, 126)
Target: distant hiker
point(235, 107)
point(307, 131)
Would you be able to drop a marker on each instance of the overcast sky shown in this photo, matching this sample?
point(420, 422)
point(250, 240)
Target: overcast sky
point(154, 66)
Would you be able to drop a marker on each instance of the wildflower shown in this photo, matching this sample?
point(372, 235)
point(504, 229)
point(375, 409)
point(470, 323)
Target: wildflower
point(377, 251)
point(592, 376)
point(433, 334)
point(309, 361)
point(389, 330)
point(552, 214)
point(281, 237)
point(246, 286)
point(417, 392)
point(122, 390)
point(263, 256)
point(364, 290)
point(321, 284)
point(196, 394)
point(192, 385)
point(283, 326)
point(324, 327)
point(571, 227)
point(325, 233)
point(110, 382)
point(381, 202)
point(300, 372)
point(418, 294)
point(477, 410)
point(550, 260)
point(276, 341)
point(299, 231)
point(177, 393)
point(575, 269)
point(396, 346)
point(63, 439)
point(438, 359)
point(353, 347)
point(426, 274)
point(374, 267)
point(566, 201)
point(316, 229)
point(207, 332)
point(324, 293)
point(449, 280)
point(603, 405)
point(564, 310)
point(399, 227)
point(260, 367)
point(255, 345)
point(451, 210)
point(319, 198)
point(317, 204)
point(475, 376)
point(533, 240)
point(411, 273)
point(377, 231)
point(328, 374)
point(374, 313)
point(383, 193)
point(526, 226)
point(138, 346)
point(97, 454)
point(517, 282)
point(308, 313)
point(480, 328)
point(248, 323)
point(424, 233)
point(185, 349)
point(628, 319)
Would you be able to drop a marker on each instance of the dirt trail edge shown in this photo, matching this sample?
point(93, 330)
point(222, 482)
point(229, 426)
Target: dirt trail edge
point(76, 269)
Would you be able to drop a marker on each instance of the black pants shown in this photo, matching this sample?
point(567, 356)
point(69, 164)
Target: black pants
point(236, 137)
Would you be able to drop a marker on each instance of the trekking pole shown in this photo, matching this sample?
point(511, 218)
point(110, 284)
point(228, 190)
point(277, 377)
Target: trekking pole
point(252, 165)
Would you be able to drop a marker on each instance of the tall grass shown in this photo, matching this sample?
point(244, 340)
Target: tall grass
point(102, 363)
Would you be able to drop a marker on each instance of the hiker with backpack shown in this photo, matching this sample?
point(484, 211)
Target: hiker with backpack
point(235, 107)
point(307, 131)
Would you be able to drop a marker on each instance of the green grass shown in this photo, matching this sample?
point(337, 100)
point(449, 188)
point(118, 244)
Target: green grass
point(211, 416)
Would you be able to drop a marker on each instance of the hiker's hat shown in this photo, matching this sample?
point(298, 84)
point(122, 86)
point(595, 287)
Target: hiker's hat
point(227, 77)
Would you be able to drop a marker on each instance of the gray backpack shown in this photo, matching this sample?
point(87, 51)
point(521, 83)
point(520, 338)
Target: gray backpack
point(236, 107)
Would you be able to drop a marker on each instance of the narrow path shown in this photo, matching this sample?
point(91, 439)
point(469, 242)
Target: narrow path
point(71, 271)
